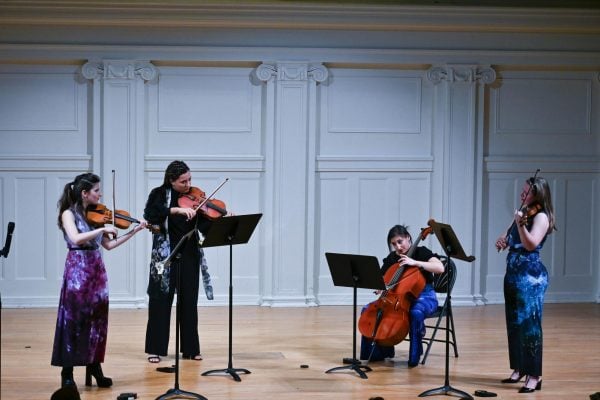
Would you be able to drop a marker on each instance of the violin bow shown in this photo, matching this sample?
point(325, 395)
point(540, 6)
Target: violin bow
point(212, 194)
point(537, 171)
point(114, 210)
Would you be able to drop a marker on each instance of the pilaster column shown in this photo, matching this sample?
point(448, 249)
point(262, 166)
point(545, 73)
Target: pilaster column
point(118, 143)
point(289, 273)
point(458, 146)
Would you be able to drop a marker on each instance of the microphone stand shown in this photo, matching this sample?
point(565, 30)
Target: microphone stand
point(4, 252)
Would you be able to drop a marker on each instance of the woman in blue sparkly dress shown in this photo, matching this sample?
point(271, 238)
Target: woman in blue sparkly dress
point(525, 283)
point(82, 322)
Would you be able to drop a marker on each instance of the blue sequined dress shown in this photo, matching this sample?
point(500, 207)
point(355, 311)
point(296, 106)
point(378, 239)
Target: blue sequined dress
point(82, 321)
point(525, 284)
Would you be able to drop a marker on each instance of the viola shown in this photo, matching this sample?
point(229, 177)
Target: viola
point(196, 199)
point(386, 320)
point(99, 215)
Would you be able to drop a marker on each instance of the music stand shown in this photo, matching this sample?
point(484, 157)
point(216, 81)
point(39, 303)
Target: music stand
point(176, 392)
point(453, 249)
point(229, 231)
point(355, 271)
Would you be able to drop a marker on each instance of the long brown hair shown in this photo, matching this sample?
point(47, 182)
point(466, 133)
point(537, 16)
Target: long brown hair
point(541, 195)
point(71, 195)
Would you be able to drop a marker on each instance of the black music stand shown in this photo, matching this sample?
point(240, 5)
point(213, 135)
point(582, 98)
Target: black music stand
point(453, 249)
point(355, 271)
point(176, 392)
point(229, 231)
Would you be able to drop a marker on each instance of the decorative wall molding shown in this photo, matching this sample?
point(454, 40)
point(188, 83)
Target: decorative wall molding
point(119, 69)
point(45, 162)
point(374, 164)
point(550, 59)
point(248, 163)
point(498, 164)
point(292, 71)
point(461, 73)
point(310, 15)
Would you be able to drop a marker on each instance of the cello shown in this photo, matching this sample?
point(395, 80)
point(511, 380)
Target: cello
point(386, 320)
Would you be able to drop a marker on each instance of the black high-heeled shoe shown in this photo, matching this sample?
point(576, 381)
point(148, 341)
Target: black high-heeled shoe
point(68, 389)
point(66, 377)
point(510, 379)
point(525, 389)
point(95, 370)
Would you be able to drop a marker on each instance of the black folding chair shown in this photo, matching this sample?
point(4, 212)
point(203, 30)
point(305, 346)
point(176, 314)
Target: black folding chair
point(442, 283)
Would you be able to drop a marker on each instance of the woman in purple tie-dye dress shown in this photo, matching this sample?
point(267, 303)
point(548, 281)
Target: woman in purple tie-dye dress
point(82, 322)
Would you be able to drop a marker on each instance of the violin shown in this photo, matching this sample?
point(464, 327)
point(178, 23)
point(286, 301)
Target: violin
point(525, 211)
point(386, 320)
point(99, 215)
point(529, 211)
point(196, 199)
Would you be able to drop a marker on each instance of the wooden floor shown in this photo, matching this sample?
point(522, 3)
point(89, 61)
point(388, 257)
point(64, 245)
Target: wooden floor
point(272, 343)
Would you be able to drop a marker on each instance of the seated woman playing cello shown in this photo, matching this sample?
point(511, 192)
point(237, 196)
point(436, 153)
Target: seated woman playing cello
point(403, 254)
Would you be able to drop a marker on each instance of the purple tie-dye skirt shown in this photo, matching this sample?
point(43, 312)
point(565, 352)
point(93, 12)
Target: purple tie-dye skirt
point(82, 321)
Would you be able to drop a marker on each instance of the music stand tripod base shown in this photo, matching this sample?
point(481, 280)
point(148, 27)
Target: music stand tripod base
point(447, 390)
point(358, 368)
point(231, 371)
point(180, 394)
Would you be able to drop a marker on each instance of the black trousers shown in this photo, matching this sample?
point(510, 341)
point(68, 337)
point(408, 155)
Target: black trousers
point(159, 311)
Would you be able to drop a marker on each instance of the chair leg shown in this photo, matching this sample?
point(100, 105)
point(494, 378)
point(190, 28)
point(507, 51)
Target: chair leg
point(433, 334)
point(429, 343)
point(452, 330)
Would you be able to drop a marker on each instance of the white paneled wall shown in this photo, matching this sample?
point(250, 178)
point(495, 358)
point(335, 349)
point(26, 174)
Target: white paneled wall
point(332, 158)
point(44, 140)
point(548, 121)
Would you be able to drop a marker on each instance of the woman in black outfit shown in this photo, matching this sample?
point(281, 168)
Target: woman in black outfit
point(162, 209)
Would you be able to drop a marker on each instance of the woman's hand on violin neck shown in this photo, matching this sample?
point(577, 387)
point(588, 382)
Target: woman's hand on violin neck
point(142, 225)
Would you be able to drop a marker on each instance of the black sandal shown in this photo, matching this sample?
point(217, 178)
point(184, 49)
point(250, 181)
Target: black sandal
point(153, 359)
point(197, 357)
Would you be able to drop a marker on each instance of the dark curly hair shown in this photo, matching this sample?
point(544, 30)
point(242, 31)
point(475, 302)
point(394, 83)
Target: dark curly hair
point(174, 170)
